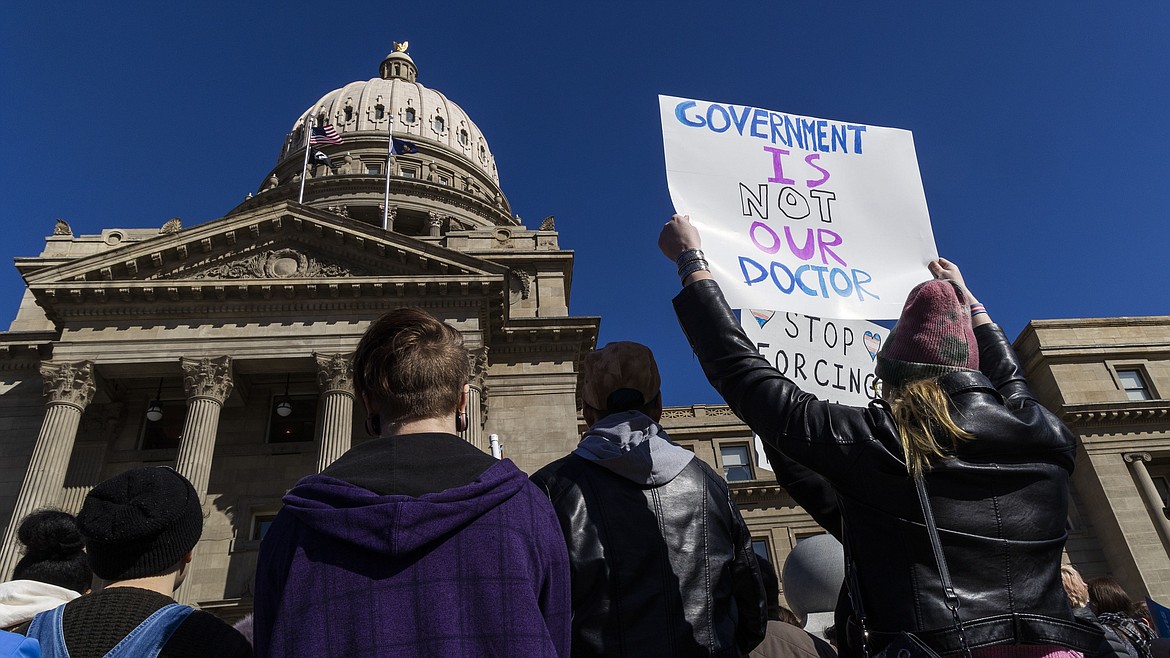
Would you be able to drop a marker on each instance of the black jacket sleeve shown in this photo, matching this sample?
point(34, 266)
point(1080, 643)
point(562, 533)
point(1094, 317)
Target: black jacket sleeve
point(747, 586)
point(818, 434)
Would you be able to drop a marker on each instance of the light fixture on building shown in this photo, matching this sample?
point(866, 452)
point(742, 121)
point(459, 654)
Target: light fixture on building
point(154, 412)
point(284, 407)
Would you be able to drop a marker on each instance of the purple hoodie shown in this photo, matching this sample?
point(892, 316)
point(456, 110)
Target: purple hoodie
point(475, 570)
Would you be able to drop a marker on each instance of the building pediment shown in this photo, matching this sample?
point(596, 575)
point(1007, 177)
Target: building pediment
point(283, 251)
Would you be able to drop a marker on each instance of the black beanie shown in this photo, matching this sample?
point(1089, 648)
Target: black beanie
point(140, 523)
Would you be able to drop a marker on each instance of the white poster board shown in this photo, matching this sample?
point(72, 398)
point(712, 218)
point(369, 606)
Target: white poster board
point(832, 359)
point(809, 215)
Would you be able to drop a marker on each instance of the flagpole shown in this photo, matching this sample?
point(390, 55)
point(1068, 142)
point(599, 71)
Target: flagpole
point(305, 166)
point(389, 167)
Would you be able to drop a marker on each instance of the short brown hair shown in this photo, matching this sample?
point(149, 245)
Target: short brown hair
point(410, 366)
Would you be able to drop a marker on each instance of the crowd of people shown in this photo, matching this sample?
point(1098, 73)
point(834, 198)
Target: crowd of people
point(944, 502)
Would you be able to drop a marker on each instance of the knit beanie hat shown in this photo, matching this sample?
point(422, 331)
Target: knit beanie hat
point(140, 523)
point(933, 336)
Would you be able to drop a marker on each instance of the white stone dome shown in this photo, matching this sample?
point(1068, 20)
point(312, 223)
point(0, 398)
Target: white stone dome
point(366, 108)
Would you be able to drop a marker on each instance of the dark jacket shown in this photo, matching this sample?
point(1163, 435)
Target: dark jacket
point(661, 563)
point(1000, 505)
point(355, 566)
point(95, 623)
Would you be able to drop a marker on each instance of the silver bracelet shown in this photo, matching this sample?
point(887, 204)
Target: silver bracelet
point(697, 265)
point(688, 256)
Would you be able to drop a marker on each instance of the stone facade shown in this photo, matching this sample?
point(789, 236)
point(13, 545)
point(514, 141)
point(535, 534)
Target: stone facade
point(1081, 370)
point(239, 332)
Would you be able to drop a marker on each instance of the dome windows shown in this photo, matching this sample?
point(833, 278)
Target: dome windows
point(438, 124)
point(379, 112)
point(348, 114)
point(463, 137)
point(409, 116)
point(482, 152)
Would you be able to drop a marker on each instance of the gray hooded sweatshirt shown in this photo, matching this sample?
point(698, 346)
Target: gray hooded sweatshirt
point(635, 447)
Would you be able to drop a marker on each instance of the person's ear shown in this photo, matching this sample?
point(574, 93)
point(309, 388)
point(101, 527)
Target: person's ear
point(464, 396)
point(590, 414)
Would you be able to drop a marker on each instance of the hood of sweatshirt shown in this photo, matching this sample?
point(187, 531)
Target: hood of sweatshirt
point(397, 524)
point(635, 447)
point(21, 600)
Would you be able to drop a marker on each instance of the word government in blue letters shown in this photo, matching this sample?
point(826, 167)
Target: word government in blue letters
point(818, 135)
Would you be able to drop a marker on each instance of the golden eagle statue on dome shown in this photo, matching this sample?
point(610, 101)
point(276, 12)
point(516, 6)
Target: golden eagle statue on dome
point(401, 47)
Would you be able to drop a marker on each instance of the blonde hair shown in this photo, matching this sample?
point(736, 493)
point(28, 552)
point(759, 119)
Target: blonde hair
point(921, 411)
point(1074, 586)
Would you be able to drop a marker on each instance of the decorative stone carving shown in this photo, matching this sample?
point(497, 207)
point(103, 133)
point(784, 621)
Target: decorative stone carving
point(271, 183)
point(275, 264)
point(100, 422)
point(477, 366)
point(339, 210)
point(173, 225)
point(436, 223)
point(207, 377)
point(548, 223)
point(69, 383)
point(335, 372)
point(390, 216)
point(523, 281)
point(62, 228)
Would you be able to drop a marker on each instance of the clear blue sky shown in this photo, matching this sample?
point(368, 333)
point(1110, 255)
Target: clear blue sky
point(1041, 128)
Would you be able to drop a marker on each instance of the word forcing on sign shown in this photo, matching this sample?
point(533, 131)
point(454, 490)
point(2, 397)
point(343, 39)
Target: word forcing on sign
point(807, 215)
point(832, 359)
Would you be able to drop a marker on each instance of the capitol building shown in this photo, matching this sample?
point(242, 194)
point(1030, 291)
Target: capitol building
point(224, 349)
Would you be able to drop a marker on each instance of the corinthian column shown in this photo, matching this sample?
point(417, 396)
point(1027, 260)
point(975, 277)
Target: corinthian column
point(435, 220)
point(335, 433)
point(69, 387)
point(207, 382)
point(476, 398)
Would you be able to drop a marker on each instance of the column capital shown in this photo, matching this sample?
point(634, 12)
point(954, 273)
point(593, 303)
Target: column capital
point(69, 383)
point(207, 377)
point(335, 372)
point(477, 366)
point(1131, 457)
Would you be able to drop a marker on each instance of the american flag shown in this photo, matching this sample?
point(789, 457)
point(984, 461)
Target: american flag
point(324, 135)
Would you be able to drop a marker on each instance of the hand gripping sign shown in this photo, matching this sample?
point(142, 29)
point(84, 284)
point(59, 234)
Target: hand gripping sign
point(807, 215)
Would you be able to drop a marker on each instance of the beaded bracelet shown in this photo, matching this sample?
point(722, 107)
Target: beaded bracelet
point(976, 309)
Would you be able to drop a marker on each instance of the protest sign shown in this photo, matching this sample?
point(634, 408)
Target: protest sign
point(807, 215)
point(832, 359)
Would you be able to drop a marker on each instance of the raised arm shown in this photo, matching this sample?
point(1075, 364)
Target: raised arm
point(813, 432)
point(997, 359)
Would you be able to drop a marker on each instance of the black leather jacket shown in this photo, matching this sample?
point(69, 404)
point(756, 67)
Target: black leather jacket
point(656, 571)
point(1000, 505)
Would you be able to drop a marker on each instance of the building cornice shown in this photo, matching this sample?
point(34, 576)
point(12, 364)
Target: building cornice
point(1108, 414)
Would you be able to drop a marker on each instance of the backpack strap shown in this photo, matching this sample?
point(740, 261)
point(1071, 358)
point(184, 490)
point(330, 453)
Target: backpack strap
point(46, 628)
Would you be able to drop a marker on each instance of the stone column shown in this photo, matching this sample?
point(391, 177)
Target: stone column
point(477, 398)
point(335, 432)
point(1149, 492)
point(436, 223)
point(389, 215)
point(69, 387)
point(207, 382)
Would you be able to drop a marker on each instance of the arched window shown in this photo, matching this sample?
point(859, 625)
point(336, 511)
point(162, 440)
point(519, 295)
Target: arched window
point(463, 137)
point(410, 115)
point(379, 112)
point(482, 152)
point(438, 124)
